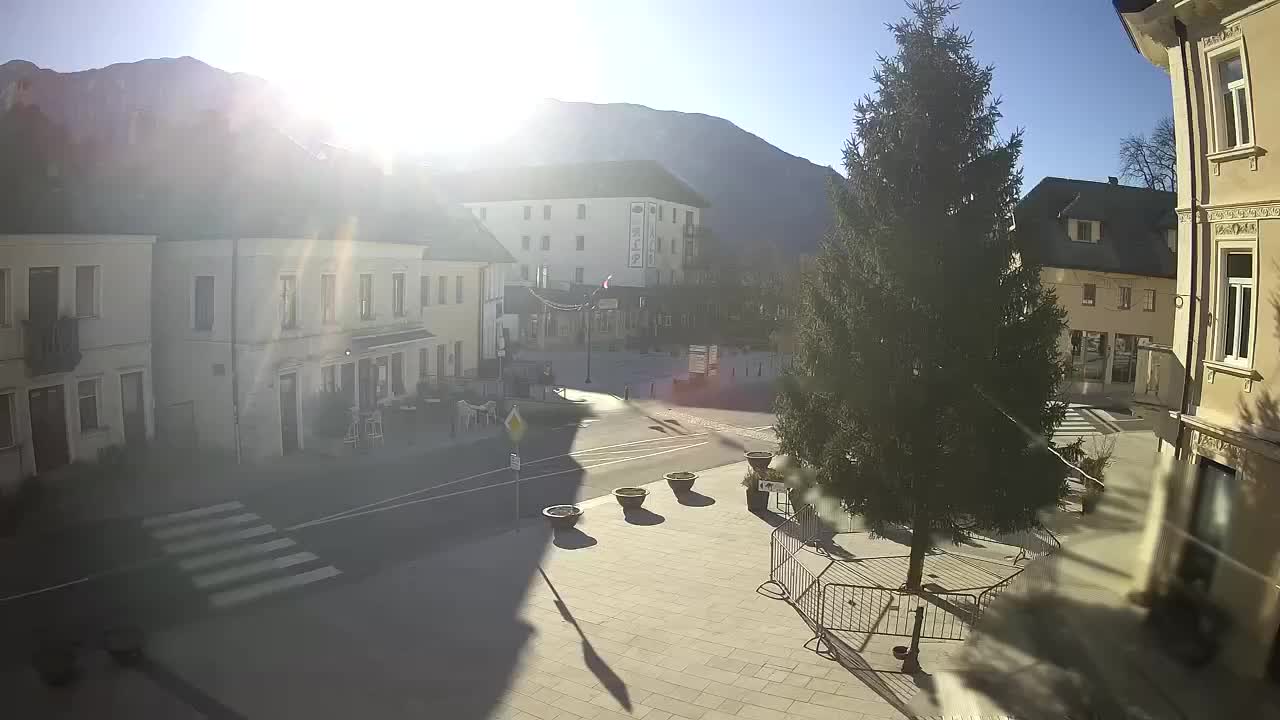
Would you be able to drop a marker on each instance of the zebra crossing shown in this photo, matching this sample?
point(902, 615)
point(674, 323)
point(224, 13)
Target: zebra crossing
point(234, 556)
point(1074, 425)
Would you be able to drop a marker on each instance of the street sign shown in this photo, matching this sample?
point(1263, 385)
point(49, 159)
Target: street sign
point(515, 425)
point(515, 461)
point(766, 485)
point(607, 304)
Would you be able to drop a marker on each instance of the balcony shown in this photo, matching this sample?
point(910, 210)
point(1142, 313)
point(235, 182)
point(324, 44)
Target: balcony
point(51, 346)
point(697, 232)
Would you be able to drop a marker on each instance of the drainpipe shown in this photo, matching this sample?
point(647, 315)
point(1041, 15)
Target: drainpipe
point(1181, 31)
point(235, 374)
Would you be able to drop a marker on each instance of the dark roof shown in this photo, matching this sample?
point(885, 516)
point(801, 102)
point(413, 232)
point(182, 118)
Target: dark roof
point(1133, 223)
point(617, 178)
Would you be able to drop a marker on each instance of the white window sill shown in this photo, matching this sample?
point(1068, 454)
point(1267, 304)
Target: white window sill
point(1245, 372)
point(1251, 151)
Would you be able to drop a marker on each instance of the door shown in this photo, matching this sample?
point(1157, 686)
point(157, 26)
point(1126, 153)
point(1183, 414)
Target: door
point(42, 294)
point(289, 413)
point(349, 382)
point(367, 401)
point(131, 406)
point(48, 428)
point(457, 359)
point(1125, 358)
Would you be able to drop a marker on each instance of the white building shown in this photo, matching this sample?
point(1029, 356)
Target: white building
point(75, 348)
point(578, 224)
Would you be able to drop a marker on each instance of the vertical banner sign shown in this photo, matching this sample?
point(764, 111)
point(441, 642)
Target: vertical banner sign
point(651, 235)
point(635, 252)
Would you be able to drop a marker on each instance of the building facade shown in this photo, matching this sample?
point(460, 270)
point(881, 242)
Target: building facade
point(1109, 253)
point(255, 329)
point(578, 224)
point(1215, 497)
point(75, 349)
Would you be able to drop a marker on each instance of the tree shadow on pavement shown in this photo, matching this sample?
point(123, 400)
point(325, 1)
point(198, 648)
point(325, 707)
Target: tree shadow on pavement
point(596, 664)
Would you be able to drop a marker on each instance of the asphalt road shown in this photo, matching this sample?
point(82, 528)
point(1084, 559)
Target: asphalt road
point(342, 524)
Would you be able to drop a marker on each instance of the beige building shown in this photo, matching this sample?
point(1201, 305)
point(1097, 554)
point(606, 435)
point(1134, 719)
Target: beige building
point(75, 349)
point(1108, 251)
point(1217, 494)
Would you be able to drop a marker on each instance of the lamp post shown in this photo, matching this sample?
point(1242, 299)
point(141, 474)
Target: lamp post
point(589, 308)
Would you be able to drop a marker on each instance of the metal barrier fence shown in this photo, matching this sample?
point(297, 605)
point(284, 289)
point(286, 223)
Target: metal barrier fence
point(884, 611)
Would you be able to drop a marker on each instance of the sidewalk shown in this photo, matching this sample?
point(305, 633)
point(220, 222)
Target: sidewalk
point(1068, 643)
point(654, 616)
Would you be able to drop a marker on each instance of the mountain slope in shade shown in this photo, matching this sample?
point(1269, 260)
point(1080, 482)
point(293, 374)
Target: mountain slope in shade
point(98, 103)
point(760, 196)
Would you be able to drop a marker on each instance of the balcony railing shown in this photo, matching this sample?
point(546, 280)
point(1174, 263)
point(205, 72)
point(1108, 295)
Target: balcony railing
point(51, 346)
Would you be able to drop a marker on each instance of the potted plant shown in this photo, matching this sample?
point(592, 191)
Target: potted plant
point(759, 459)
point(757, 499)
point(1094, 466)
point(562, 517)
point(681, 481)
point(630, 498)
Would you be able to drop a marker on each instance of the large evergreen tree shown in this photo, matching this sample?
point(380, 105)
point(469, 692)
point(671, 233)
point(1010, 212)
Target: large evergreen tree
point(928, 359)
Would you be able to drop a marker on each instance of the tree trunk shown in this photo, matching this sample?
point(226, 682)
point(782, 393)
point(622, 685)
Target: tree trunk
point(921, 542)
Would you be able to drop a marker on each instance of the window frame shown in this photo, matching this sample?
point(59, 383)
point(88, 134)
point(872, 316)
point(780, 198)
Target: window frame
point(579, 273)
point(95, 301)
point(545, 243)
point(528, 212)
point(424, 291)
point(195, 303)
point(546, 212)
point(1224, 249)
point(524, 272)
point(580, 242)
point(96, 384)
point(7, 398)
point(1095, 231)
point(6, 297)
point(1213, 59)
point(1089, 295)
point(442, 290)
point(526, 242)
point(458, 289)
point(329, 310)
point(398, 282)
point(1125, 301)
point(364, 296)
point(288, 310)
point(582, 211)
point(1148, 300)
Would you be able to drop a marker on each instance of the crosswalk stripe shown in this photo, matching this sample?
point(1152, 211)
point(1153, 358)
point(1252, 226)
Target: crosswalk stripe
point(235, 553)
point(191, 514)
point(196, 528)
point(240, 572)
point(210, 541)
point(227, 598)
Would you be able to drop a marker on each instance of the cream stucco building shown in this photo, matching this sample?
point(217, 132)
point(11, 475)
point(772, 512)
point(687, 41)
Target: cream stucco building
point(1217, 494)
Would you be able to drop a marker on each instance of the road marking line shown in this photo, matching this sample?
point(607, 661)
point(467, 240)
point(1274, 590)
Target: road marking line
point(222, 577)
point(227, 598)
point(196, 528)
point(209, 541)
point(359, 512)
point(504, 468)
point(191, 514)
point(236, 553)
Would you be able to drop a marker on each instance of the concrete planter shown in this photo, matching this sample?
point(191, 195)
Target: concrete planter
point(681, 481)
point(759, 460)
point(757, 500)
point(630, 498)
point(562, 517)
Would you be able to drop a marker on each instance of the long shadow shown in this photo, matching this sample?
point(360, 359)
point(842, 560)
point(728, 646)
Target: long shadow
point(596, 664)
point(693, 498)
point(572, 539)
point(641, 516)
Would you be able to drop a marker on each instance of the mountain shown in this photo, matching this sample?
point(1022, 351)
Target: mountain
point(98, 103)
point(760, 196)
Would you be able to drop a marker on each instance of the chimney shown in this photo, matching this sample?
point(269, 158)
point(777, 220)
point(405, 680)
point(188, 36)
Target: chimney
point(1113, 180)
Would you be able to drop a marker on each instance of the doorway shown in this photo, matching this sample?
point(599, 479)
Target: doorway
point(49, 427)
point(132, 408)
point(365, 373)
point(289, 413)
point(349, 382)
point(442, 362)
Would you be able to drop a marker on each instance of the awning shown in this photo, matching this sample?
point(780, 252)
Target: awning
point(365, 343)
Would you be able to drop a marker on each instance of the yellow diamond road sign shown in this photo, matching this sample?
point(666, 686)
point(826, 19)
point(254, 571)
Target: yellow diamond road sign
point(515, 425)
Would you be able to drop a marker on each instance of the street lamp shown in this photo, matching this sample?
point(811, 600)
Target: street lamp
point(589, 307)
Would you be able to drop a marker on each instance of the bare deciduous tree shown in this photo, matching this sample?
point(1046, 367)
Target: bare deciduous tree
point(1151, 160)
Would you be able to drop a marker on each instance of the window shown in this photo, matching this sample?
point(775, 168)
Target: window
point(1237, 306)
point(423, 358)
point(582, 211)
point(4, 300)
point(442, 290)
point(674, 251)
point(1090, 294)
point(524, 272)
point(329, 378)
point(688, 218)
point(546, 242)
point(328, 299)
point(1171, 239)
point(1233, 102)
point(578, 275)
point(580, 242)
point(6, 421)
point(457, 289)
point(546, 212)
point(1148, 300)
point(673, 216)
point(528, 212)
point(484, 213)
point(671, 277)
point(288, 301)
point(86, 290)
point(366, 297)
point(424, 290)
point(203, 303)
point(381, 377)
point(88, 393)
point(524, 242)
point(1210, 521)
point(1126, 298)
point(397, 373)
point(659, 246)
point(661, 210)
point(397, 294)
point(1083, 231)
point(544, 276)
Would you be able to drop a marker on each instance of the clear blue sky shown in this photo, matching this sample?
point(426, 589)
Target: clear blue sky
point(438, 74)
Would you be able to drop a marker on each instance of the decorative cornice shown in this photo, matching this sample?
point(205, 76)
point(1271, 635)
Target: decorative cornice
point(1244, 212)
point(1238, 228)
point(1227, 33)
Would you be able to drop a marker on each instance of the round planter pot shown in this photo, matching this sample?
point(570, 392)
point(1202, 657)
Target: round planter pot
point(630, 498)
point(680, 482)
point(562, 517)
point(900, 651)
point(757, 499)
point(124, 644)
point(759, 459)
